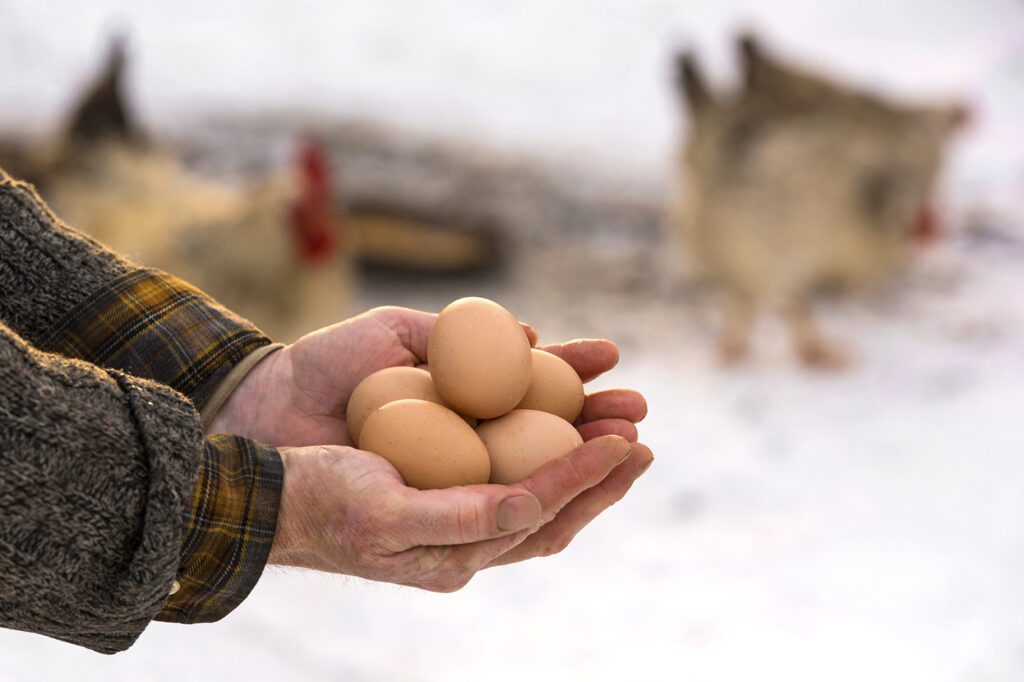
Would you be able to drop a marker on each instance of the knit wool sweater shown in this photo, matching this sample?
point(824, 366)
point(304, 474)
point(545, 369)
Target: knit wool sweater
point(99, 467)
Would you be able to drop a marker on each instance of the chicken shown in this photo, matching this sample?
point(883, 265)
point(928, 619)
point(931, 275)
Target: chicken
point(796, 185)
point(271, 250)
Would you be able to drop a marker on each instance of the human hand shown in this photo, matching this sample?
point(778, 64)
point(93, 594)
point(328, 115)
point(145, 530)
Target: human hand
point(348, 511)
point(297, 395)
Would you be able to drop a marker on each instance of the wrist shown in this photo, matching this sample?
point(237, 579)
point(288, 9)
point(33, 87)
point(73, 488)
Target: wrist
point(293, 545)
point(239, 411)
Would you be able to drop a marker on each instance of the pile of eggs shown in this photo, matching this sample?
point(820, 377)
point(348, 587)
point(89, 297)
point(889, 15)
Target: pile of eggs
point(488, 408)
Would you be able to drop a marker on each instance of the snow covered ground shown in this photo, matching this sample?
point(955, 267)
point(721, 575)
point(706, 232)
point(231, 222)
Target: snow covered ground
point(864, 526)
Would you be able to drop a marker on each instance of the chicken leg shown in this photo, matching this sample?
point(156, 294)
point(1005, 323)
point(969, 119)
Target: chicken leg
point(812, 347)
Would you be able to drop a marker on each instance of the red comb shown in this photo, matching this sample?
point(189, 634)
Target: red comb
point(314, 168)
point(312, 214)
point(926, 225)
point(962, 115)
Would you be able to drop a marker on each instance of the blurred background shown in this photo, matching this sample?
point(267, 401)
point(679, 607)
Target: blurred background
point(837, 492)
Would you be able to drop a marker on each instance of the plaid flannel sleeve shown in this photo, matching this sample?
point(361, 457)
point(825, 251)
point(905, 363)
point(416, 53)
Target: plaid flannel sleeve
point(150, 324)
point(228, 532)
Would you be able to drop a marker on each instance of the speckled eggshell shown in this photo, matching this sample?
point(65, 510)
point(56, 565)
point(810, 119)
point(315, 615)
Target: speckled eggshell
point(431, 446)
point(479, 358)
point(523, 441)
point(555, 387)
point(385, 386)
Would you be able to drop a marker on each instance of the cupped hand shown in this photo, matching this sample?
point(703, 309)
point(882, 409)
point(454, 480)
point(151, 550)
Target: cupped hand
point(297, 395)
point(348, 511)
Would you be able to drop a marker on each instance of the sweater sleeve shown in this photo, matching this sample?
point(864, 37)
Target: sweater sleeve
point(65, 294)
point(96, 474)
point(116, 510)
point(47, 269)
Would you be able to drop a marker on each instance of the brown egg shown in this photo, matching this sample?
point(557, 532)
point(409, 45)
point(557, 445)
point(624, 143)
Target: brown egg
point(479, 358)
point(431, 446)
point(525, 440)
point(472, 421)
point(555, 387)
point(383, 387)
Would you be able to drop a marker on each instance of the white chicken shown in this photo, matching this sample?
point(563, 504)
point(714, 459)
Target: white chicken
point(272, 250)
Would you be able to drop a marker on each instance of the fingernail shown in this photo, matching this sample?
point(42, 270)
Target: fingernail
point(645, 467)
point(625, 444)
point(519, 512)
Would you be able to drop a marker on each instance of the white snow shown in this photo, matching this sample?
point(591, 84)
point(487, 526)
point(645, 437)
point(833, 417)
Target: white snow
point(794, 527)
point(866, 526)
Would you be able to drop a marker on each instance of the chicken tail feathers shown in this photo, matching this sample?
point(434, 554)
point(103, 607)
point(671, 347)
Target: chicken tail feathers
point(103, 113)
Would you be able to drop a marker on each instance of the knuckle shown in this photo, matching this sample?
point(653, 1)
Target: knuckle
point(457, 567)
point(469, 522)
point(575, 477)
point(388, 314)
point(452, 582)
point(555, 546)
point(612, 493)
point(433, 562)
point(441, 569)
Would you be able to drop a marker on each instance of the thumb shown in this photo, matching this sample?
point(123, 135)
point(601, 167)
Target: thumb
point(463, 515)
point(413, 328)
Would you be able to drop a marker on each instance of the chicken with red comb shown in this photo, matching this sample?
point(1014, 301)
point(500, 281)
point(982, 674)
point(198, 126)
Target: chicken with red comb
point(269, 249)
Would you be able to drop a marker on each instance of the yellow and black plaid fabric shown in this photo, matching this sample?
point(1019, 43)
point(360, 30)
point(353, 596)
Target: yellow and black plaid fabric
point(153, 325)
point(229, 531)
point(150, 324)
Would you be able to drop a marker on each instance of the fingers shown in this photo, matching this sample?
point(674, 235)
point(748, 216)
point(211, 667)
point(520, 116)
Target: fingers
point(555, 536)
point(454, 532)
point(608, 427)
point(531, 334)
point(558, 482)
point(449, 568)
point(412, 327)
point(467, 514)
point(615, 403)
point(555, 486)
point(612, 412)
point(589, 357)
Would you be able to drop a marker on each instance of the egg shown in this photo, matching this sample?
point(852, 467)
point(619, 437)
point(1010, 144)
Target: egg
point(522, 441)
point(555, 387)
point(385, 386)
point(429, 445)
point(479, 358)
